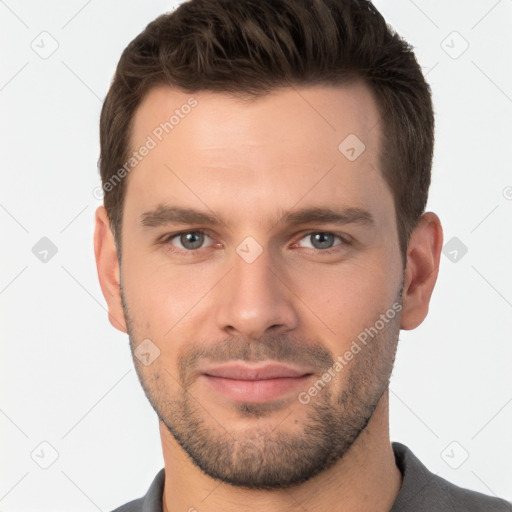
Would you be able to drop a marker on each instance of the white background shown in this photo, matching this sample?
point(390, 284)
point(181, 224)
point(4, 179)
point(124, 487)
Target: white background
point(67, 376)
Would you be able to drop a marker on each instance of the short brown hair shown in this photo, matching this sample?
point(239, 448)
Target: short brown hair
point(251, 47)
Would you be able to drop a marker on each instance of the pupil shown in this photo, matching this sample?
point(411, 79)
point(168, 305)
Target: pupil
point(192, 240)
point(323, 240)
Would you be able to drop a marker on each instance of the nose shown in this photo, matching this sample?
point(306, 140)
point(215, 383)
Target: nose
point(255, 298)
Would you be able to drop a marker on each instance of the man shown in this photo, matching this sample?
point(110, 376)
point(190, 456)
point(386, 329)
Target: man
point(266, 168)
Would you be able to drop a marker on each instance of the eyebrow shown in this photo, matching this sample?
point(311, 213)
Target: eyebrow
point(163, 215)
point(349, 215)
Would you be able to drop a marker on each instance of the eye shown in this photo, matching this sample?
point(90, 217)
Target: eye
point(322, 240)
point(188, 240)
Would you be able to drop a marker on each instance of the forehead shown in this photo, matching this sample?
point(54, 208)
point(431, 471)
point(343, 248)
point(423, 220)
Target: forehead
point(316, 114)
point(314, 144)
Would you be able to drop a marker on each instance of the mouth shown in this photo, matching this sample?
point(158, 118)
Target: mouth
point(256, 383)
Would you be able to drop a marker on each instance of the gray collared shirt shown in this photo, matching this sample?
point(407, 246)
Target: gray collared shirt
point(421, 491)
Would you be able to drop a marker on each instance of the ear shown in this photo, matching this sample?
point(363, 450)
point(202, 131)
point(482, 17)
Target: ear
point(107, 265)
point(423, 254)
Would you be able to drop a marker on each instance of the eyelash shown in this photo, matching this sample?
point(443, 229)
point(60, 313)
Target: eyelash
point(345, 241)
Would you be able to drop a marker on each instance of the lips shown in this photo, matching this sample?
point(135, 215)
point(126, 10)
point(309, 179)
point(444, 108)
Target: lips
point(245, 372)
point(256, 383)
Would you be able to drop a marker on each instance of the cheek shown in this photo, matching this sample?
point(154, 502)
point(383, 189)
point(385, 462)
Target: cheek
point(345, 298)
point(162, 295)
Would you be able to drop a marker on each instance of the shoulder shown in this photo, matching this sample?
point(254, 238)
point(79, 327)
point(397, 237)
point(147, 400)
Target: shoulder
point(422, 490)
point(132, 506)
point(152, 501)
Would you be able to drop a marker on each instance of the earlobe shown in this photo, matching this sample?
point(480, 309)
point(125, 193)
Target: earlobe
point(107, 265)
point(423, 256)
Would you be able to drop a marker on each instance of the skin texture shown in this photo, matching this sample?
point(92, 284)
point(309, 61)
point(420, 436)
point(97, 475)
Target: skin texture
point(248, 163)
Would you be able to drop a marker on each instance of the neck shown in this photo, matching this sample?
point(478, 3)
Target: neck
point(366, 478)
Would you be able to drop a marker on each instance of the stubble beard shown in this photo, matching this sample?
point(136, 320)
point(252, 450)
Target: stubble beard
point(273, 458)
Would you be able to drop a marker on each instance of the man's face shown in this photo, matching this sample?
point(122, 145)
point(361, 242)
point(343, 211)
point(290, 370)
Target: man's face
point(251, 308)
